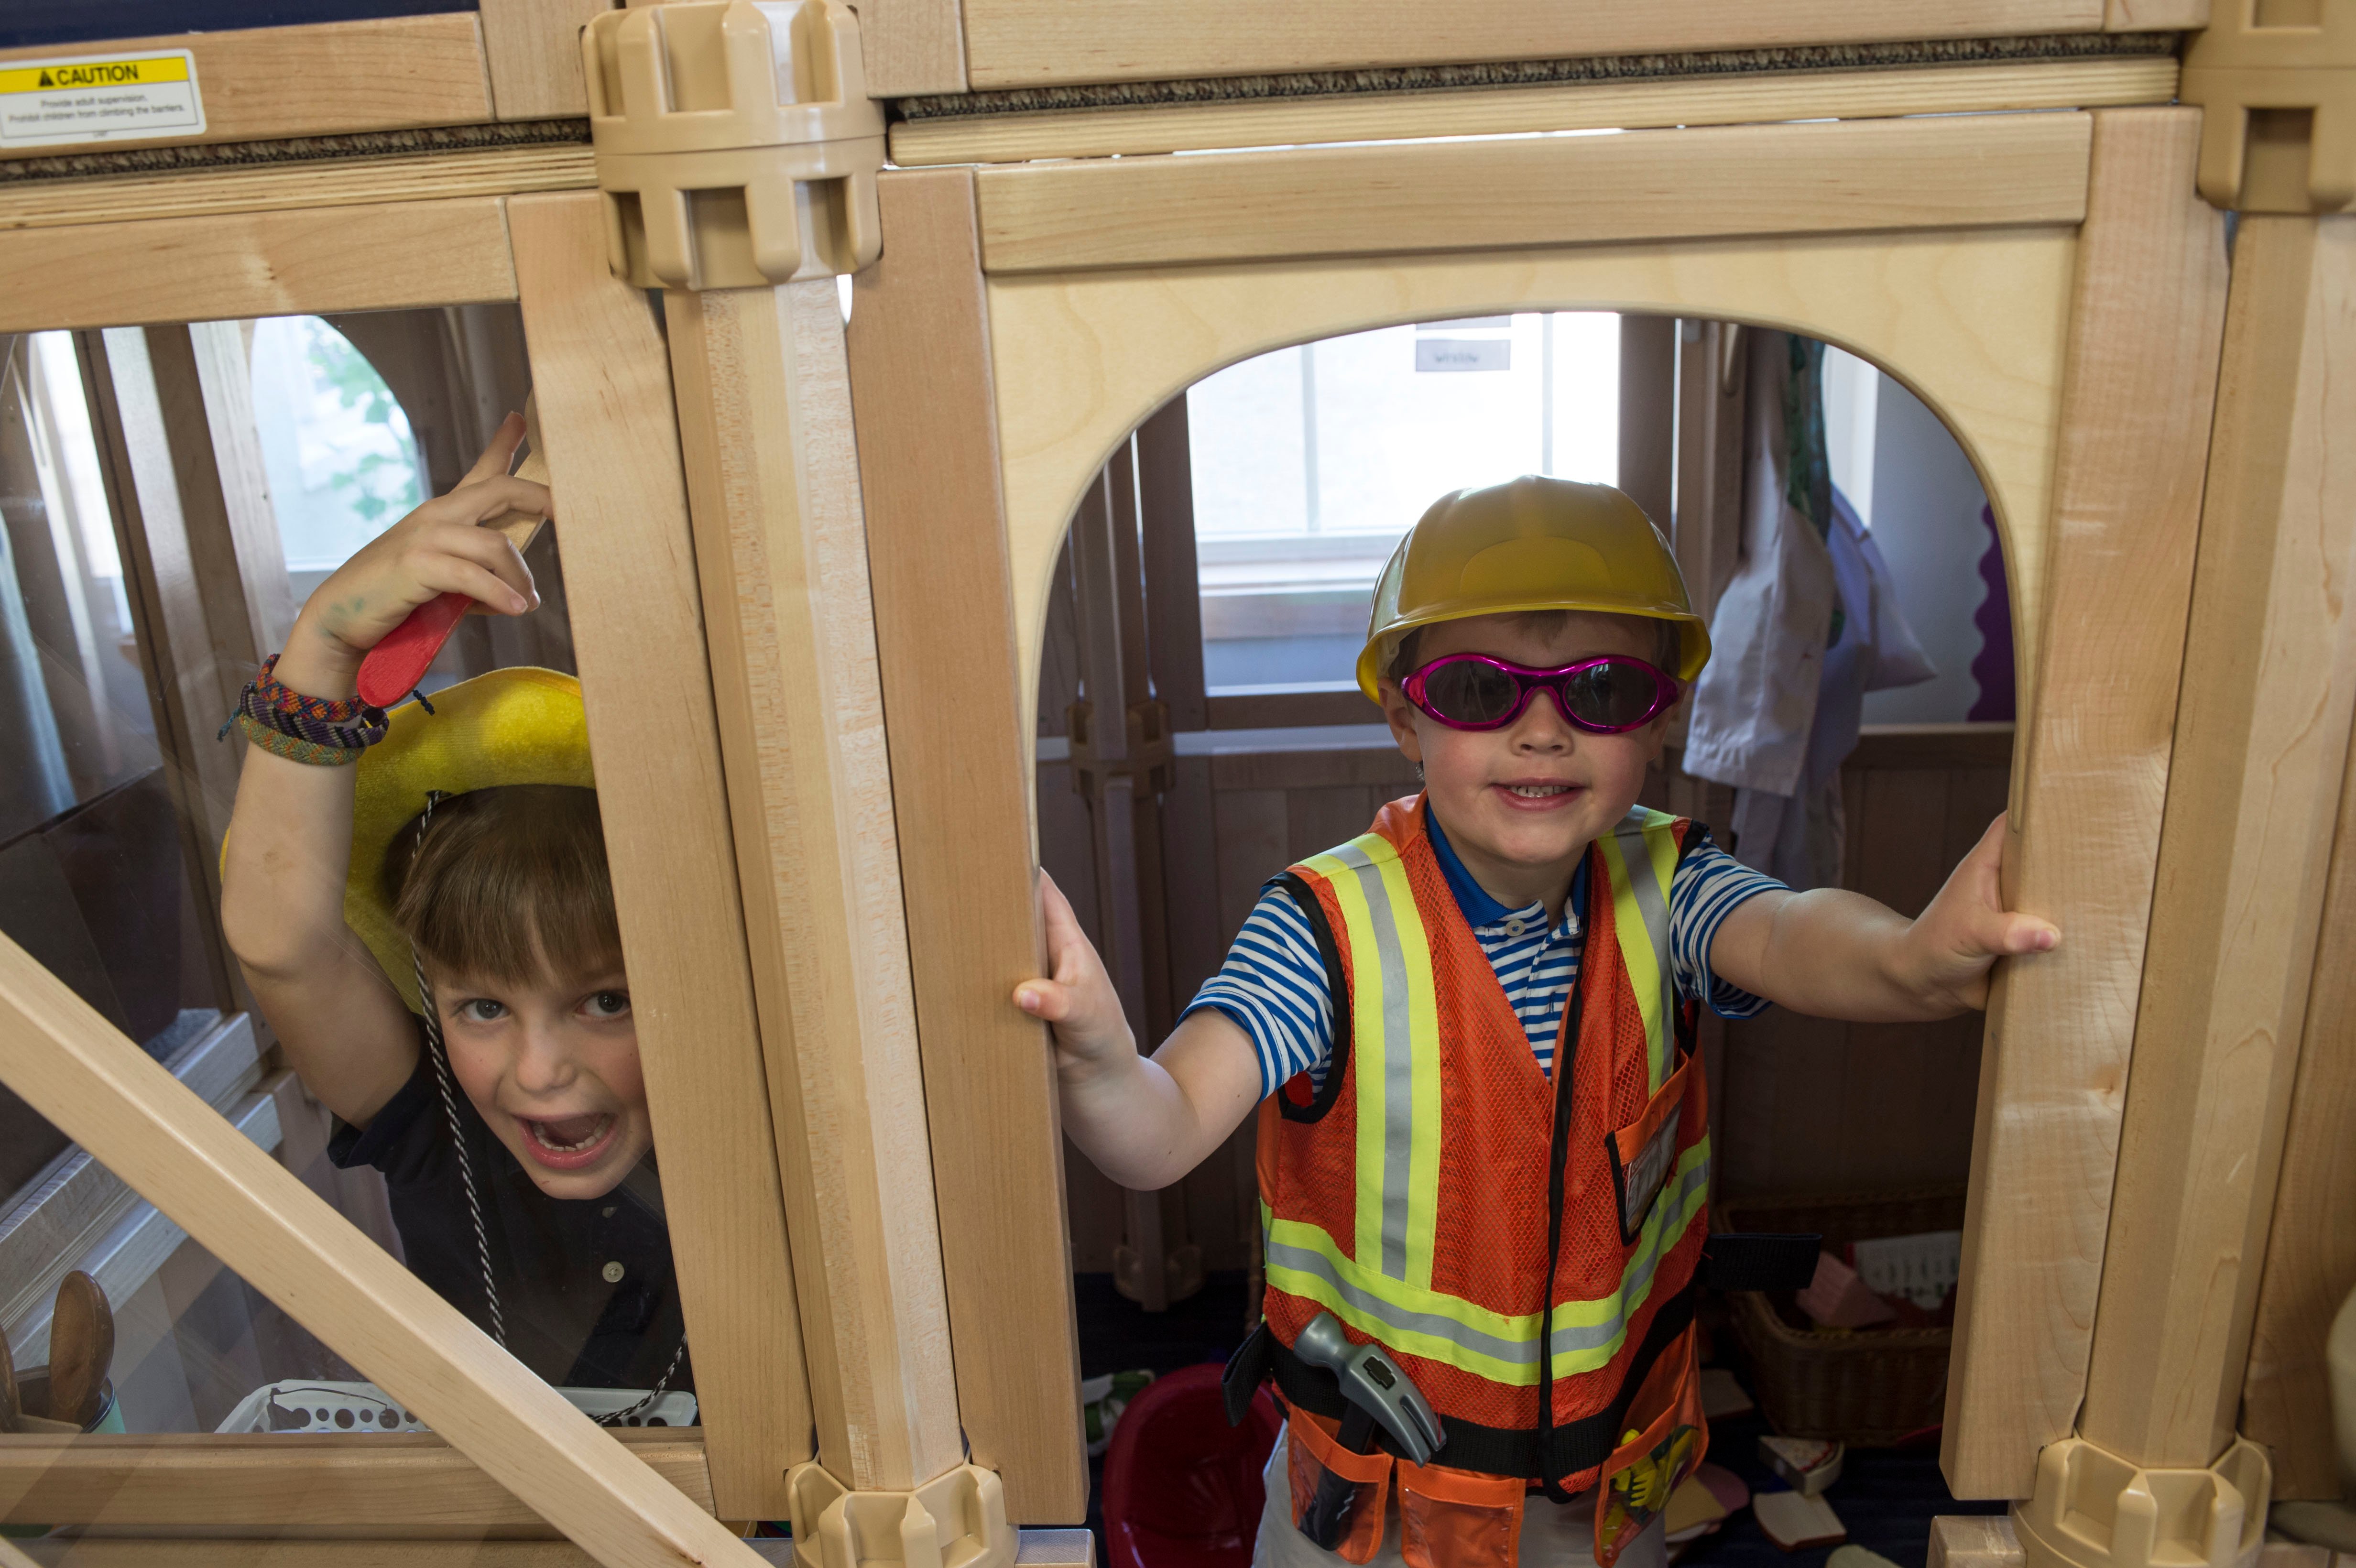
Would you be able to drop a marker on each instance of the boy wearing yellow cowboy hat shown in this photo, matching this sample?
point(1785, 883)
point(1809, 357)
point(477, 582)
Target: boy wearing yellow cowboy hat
point(1482, 1143)
point(431, 934)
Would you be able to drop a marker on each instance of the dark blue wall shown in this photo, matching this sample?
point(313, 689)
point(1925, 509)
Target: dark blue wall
point(30, 23)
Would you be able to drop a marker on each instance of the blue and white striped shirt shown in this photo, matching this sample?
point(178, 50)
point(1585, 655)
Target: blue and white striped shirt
point(1273, 982)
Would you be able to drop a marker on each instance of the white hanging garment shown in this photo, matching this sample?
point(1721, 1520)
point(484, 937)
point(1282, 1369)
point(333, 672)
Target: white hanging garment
point(1778, 711)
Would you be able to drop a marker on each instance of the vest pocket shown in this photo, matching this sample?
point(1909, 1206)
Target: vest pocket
point(1642, 1153)
point(1457, 1519)
point(1338, 1496)
point(1666, 1439)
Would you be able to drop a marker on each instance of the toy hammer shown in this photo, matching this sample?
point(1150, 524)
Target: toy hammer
point(394, 666)
point(1378, 1394)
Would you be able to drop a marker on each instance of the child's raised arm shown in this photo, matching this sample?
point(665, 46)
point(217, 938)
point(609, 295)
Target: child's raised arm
point(1838, 955)
point(346, 1030)
point(1143, 1123)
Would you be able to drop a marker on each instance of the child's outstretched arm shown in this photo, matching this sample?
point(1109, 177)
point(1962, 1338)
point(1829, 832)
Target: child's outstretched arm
point(1144, 1122)
point(1839, 954)
point(345, 1031)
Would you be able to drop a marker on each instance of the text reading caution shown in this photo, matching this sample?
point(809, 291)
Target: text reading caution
point(98, 99)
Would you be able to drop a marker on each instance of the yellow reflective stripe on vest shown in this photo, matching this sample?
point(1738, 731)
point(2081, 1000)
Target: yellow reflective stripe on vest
point(1303, 1261)
point(1640, 861)
point(1395, 1058)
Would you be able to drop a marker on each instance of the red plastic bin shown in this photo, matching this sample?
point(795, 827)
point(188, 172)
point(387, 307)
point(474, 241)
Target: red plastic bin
point(1182, 1488)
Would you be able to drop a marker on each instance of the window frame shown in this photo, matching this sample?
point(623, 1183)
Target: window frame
point(437, 251)
point(1080, 330)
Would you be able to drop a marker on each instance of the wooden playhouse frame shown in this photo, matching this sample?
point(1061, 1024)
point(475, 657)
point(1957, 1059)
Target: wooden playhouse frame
point(825, 884)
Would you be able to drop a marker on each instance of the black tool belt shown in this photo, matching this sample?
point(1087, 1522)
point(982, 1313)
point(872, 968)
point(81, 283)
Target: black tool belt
point(1728, 1263)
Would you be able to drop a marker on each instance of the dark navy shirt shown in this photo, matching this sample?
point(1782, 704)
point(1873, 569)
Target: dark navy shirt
point(586, 1285)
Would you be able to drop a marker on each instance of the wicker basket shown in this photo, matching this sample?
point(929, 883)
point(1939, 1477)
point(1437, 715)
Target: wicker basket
point(1866, 1387)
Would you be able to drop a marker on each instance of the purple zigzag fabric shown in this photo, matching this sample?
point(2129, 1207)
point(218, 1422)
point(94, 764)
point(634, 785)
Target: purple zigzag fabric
point(1992, 667)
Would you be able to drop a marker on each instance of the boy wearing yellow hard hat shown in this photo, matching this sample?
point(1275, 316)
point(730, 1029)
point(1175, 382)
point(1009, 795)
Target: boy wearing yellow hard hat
point(420, 902)
point(1469, 1032)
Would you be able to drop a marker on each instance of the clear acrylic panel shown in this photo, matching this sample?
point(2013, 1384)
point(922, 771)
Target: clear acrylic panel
point(113, 799)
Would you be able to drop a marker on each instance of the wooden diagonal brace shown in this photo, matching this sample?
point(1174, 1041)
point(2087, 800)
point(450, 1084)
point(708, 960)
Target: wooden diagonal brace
point(104, 1091)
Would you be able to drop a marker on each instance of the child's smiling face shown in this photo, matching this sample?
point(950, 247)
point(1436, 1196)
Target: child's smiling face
point(552, 1067)
point(1520, 804)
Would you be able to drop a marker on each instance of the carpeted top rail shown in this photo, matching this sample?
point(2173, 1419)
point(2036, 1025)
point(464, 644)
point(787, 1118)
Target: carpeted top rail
point(205, 155)
point(1530, 73)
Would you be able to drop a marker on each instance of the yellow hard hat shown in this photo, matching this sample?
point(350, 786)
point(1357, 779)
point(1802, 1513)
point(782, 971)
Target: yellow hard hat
point(1530, 544)
point(517, 726)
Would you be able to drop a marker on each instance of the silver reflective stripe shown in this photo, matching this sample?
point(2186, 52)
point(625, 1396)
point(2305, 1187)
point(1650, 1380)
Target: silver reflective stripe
point(1636, 1284)
point(1305, 1260)
point(1383, 1317)
point(1644, 887)
point(1397, 1058)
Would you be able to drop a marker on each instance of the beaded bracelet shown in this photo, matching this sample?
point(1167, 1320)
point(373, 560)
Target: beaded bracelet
point(293, 748)
point(325, 732)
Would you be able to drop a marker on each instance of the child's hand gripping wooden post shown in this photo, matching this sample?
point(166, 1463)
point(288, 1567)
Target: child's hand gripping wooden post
point(395, 666)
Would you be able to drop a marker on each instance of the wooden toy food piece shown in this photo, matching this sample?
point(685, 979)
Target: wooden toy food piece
point(1809, 1463)
point(1721, 1396)
point(1838, 1298)
point(1725, 1486)
point(1857, 1557)
point(394, 666)
point(1795, 1521)
point(82, 1348)
point(1692, 1506)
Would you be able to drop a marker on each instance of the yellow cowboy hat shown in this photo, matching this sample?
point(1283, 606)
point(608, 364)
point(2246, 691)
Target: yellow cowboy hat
point(517, 726)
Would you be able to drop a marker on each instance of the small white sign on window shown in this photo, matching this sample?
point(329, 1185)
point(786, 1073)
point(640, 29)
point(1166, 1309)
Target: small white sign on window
point(99, 98)
point(1464, 353)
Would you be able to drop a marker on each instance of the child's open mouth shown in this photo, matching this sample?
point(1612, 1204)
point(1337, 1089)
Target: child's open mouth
point(567, 1142)
point(1540, 795)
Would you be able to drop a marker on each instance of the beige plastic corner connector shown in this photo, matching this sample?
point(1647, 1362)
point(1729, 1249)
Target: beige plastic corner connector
point(2093, 1509)
point(736, 144)
point(954, 1521)
point(2276, 85)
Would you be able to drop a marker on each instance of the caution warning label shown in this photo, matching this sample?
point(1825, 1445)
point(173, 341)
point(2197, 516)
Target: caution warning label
point(98, 98)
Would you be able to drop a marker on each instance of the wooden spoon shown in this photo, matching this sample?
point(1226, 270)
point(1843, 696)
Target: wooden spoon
point(82, 1348)
point(11, 1409)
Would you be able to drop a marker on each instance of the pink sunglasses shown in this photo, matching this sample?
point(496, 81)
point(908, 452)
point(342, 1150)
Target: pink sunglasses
point(1606, 696)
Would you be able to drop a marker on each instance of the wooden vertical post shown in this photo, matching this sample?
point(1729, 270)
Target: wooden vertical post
point(1117, 771)
point(2269, 690)
point(532, 50)
point(1706, 532)
point(183, 562)
point(946, 642)
point(637, 626)
point(1707, 528)
point(224, 382)
point(2090, 777)
point(2310, 1259)
point(167, 623)
point(781, 546)
point(1648, 411)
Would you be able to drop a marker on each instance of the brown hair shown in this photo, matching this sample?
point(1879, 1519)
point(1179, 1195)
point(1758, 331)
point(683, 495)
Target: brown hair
point(510, 884)
point(1667, 654)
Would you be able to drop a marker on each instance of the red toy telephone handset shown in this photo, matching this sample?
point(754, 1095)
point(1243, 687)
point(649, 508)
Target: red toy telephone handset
point(394, 666)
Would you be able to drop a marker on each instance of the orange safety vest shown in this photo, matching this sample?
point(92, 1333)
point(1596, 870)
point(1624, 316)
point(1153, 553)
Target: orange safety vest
point(1428, 1192)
